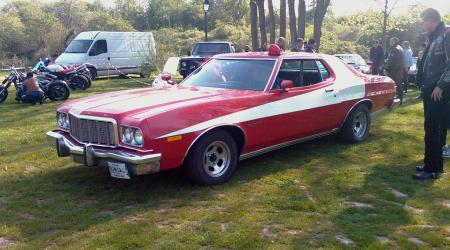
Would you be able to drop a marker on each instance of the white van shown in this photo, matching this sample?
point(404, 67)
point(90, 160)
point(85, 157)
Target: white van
point(111, 53)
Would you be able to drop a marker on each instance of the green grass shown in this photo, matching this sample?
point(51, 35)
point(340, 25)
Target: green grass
point(295, 198)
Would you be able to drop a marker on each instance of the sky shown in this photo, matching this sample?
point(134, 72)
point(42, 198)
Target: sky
point(348, 7)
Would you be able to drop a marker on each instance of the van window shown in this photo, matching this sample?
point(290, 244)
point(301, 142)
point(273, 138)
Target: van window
point(78, 46)
point(98, 48)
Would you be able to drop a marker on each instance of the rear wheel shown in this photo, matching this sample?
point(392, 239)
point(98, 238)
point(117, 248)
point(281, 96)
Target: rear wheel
point(79, 82)
point(58, 91)
point(356, 127)
point(93, 73)
point(213, 159)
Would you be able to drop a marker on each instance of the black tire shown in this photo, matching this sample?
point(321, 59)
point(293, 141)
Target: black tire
point(356, 127)
point(213, 159)
point(93, 73)
point(88, 77)
point(79, 82)
point(3, 94)
point(58, 91)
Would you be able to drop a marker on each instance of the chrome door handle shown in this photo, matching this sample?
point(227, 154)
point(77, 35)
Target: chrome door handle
point(329, 90)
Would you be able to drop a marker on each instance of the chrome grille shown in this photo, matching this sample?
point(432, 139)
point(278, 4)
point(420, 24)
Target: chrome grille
point(92, 131)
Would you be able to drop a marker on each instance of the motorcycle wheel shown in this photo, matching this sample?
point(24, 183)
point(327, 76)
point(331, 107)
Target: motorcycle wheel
point(58, 91)
point(88, 77)
point(79, 82)
point(3, 94)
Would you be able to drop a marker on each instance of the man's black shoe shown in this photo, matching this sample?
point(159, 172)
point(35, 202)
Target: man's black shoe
point(425, 176)
point(421, 168)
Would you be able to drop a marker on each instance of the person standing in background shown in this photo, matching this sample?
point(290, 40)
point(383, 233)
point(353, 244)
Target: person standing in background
point(299, 46)
point(377, 58)
point(395, 65)
point(408, 60)
point(311, 46)
point(422, 48)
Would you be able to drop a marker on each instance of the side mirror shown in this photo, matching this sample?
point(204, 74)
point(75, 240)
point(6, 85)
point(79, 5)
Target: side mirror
point(287, 84)
point(189, 53)
point(166, 77)
point(171, 82)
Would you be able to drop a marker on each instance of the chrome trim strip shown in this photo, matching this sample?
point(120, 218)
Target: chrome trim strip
point(211, 128)
point(286, 144)
point(102, 119)
point(102, 153)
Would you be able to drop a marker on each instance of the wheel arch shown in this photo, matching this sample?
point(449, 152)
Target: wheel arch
point(235, 131)
point(366, 102)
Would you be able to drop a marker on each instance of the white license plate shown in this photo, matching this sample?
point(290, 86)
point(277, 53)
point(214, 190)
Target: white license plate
point(118, 170)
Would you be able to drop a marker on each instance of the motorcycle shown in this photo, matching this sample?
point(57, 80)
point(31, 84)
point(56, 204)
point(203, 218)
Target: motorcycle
point(77, 76)
point(55, 90)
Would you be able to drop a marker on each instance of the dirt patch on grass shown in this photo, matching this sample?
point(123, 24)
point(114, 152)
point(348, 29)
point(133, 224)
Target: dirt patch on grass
point(4, 243)
point(344, 240)
point(267, 232)
point(355, 204)
point(382, 239)
point(417, 241)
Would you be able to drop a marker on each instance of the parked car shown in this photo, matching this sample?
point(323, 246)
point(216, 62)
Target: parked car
point(356, 61)
point(110, 53)
point(413, 71)
point(201, 52)
point(233, 107)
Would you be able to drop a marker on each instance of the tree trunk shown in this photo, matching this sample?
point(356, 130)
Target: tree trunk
point(283, 18)
point(319, 15)
point(254, 25)
point(262, 23)
point(271, 23)
point(301, 18)
point(292, 22)
point(385, 19)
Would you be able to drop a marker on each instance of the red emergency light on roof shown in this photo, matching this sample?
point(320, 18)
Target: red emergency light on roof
point(274, 50)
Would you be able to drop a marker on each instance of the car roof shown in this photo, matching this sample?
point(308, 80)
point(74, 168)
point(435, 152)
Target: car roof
point(265, 54)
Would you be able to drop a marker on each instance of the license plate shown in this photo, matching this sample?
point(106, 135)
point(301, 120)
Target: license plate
point(118, 170)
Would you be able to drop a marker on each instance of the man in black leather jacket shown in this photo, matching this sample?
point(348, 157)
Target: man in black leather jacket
point(435, 81)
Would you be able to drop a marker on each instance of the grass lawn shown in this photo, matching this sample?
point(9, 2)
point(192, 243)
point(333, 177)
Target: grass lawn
point(321, 194)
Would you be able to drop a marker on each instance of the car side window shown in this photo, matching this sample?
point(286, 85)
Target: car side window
point(323, 70)
point(289, 70)
point(301, 72)
point(99, 47)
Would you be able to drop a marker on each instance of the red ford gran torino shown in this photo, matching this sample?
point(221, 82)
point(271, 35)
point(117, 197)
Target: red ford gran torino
point(233, 107)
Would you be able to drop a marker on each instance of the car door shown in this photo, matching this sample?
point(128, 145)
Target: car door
point(99, 56)
point(307, 108)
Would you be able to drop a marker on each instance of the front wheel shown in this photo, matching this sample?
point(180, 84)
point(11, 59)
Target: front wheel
point(79, 82)
point(3, 94)
point(213, 159)
point(356, 127)
point(58, 91)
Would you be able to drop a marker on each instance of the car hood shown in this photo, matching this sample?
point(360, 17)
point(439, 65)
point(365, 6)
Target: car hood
point(150, 101)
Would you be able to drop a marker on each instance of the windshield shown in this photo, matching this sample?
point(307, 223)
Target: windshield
point(210, 48)
point(78, 46)
point(352, 59)
point(232, 74)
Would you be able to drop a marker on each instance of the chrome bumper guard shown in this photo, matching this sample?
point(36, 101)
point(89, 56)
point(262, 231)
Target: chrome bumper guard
point(90, 156)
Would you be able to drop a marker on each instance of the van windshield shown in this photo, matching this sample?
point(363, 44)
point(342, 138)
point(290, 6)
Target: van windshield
point(78, 46)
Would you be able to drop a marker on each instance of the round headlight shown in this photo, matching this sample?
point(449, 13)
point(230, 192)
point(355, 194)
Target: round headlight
point(138, 137)
point(66, 121)
point(183, 64)
point(128, 135)
point(60, 120)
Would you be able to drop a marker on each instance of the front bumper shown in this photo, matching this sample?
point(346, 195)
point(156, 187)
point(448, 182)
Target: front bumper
point(95, 156)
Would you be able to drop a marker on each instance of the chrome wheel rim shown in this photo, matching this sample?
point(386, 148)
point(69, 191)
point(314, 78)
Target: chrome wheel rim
point(360, 124)
point(216, 159)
